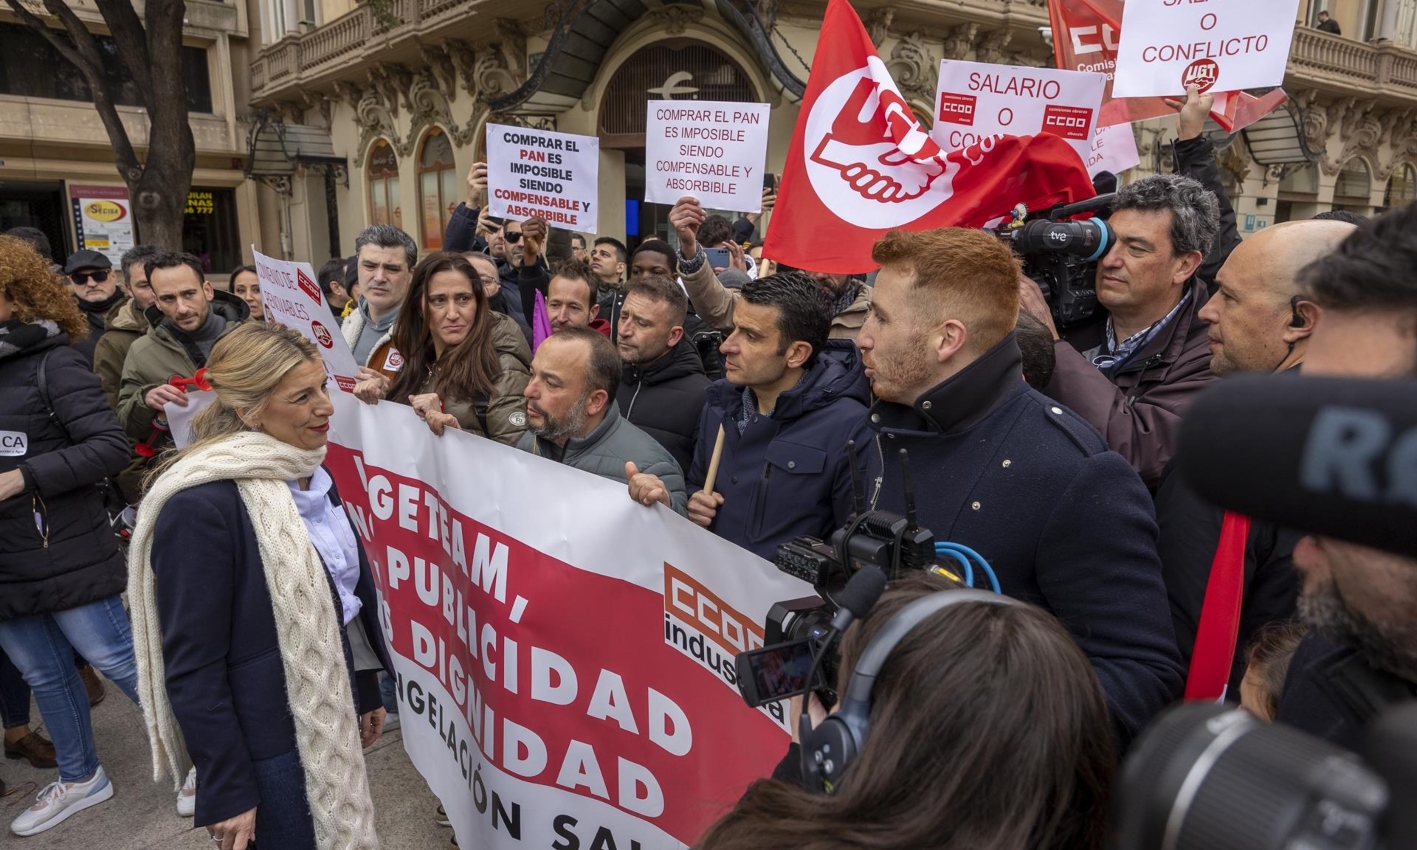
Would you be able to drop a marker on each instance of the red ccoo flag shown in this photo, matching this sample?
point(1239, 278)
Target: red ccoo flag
point(861, 165)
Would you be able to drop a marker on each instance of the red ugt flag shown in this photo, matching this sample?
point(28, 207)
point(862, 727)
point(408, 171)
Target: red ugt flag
point(861, 165)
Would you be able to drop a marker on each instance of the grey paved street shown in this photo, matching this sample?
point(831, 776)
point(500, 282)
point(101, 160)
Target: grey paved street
point(143, 814)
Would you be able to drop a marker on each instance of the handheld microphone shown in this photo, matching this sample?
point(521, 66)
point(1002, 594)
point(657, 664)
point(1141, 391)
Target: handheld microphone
point(1330, 456)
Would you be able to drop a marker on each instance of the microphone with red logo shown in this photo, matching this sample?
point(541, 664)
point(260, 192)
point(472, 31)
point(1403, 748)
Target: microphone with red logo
point(1335, 457)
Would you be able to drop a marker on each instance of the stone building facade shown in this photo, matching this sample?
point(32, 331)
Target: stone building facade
point(405, 88)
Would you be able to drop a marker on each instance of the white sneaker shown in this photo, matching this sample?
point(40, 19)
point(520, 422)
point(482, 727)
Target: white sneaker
point(187, 797)
point(58, 800)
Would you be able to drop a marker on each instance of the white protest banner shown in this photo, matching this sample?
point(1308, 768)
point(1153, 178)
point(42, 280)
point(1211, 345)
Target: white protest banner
point(564, 656)
point(709, 149)
point(291, 296)
point(543, 173)
point(977, 100)
point(1167, 45)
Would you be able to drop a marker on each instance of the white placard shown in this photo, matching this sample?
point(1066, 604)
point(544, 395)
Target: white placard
point(1113, 149)
point(543, 173)
point(711, 150)
point(1226, 45)
point(977, 100)
point(179, 417)
point(291, 296)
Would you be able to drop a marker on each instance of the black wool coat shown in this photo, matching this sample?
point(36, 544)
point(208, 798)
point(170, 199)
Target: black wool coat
point(225, 677)
point(57, 550)
point(1065, 523)
point(665, 399)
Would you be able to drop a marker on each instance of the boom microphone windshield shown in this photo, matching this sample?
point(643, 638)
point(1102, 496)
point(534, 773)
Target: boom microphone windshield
point(1329, 456)
point(859, 596)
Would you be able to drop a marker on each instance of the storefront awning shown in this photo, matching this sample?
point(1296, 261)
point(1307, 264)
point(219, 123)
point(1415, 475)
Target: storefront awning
point(1278, 138)
point(278, 149)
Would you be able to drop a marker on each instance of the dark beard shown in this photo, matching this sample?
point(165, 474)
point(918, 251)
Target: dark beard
point(1325, 610)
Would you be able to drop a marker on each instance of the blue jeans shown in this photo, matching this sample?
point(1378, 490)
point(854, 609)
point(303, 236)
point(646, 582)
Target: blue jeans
point(43, 646)
point(283, 816)
point(14, 695)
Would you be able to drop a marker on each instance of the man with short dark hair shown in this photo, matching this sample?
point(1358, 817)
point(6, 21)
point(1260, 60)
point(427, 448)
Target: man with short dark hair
point(607, 263)
point(1136, 365)
point(578, 249)
point(331, 280)
point(573, 418)
point(1328, 24)
point(790, 403)
point(1364, 657)
point(497, 296)
point(662, 383)
point(571, 299)
point(95, 289)
point(125, 324)
point(384, 257)
point(850, 299)
point(186, 320)
point(1065, 523)
point(1259, 322)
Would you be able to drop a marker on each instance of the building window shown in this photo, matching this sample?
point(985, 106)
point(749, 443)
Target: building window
point(437, 187)
point(676, 69)
point(383, 171)
point(209, 228)
point(1355, 185)
point(31, 67)
point(1401, 187)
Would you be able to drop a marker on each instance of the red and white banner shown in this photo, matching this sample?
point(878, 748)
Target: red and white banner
point(1087, 37)
point(860, 164)
point(976, 100)
point(564, 655)
point(1167, 45)
point(291, 296)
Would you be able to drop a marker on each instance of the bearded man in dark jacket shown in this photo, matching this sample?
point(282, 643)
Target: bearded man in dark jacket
point(663, 383)
point(1065, 523)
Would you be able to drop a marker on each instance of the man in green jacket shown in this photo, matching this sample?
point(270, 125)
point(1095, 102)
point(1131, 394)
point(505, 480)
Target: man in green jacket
point(186, 321)
point(125, 324)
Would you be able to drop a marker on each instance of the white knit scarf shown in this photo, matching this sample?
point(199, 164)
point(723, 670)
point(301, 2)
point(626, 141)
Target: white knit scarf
point(316, 677)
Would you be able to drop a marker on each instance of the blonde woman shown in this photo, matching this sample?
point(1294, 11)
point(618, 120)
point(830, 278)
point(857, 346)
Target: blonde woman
point(253, 608)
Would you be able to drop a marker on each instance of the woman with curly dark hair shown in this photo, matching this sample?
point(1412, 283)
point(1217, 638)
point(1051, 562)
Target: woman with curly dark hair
point(59, 562)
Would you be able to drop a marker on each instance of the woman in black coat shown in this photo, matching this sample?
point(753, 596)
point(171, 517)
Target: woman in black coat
point(60, 567)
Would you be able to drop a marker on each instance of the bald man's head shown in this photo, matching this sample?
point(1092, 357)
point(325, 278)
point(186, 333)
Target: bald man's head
point(1255, 323)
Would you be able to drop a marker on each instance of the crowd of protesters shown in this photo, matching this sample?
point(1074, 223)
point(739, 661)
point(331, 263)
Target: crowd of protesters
point(1050, 449)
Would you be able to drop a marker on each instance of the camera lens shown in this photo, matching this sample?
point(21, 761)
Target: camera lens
point(1205, 777)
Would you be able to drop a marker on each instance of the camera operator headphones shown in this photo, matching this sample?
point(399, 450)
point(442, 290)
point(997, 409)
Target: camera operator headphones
point(837, 740)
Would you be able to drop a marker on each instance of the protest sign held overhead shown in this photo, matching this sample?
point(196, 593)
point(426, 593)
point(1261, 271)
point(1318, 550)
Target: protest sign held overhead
point(1166, 45)
point(860, 164)
point(561, 690)
point(977, 100)
point(291, 296)
point(1112, 149)
point(543, 173)
point(1086, 36)
point(708, 149)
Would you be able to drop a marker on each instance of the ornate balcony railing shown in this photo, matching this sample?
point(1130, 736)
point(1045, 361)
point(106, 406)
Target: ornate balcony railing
point(1316, 59)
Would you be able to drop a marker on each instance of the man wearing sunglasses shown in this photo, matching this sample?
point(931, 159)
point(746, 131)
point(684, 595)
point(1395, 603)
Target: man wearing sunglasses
point(95, 286)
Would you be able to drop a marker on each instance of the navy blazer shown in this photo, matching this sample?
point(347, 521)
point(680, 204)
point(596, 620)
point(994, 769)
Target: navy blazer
point(225, 679)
